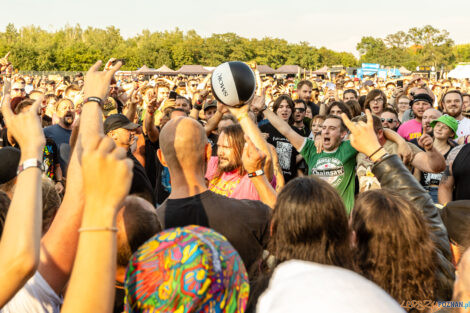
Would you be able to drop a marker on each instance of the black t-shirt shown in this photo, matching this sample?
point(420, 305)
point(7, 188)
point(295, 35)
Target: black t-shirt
point(245, 223)
point(162, 180)
point(285, 151)
point(461, 173)
point(140, 182)
point(50, 158)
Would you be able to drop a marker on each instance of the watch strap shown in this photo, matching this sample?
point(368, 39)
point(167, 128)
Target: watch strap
point(94, 99)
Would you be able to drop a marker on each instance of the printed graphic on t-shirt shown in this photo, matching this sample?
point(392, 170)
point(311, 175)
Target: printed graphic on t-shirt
point(330, 170)
point(223, 187)
point(284, 151)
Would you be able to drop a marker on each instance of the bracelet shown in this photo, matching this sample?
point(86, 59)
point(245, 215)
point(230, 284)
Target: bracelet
point(30, 163)
point(256, 173)
point(113, 229)
point(94, 99)
point(242, 117)
point(382, 158)
point(264, 108)
point(374, 152)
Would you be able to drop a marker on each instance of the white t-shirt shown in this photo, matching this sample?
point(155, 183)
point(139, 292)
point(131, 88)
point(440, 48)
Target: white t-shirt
point(36, 296)
point(464, 127)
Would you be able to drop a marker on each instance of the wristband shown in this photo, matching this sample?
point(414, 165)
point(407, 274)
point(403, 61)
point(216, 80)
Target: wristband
point(30, 163)
point(256, 173)
point(198, 107)
point(94, 99)
point(264, 108)
point(112, 229)
point(382, 158)
point(373, 153)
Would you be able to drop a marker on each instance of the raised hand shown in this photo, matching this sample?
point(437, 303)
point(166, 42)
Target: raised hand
point(25, 127)
point(4, 63)
point(425, 141)
point(97, 82)
point(253, 159)
point(362, 137)
point(107, 175)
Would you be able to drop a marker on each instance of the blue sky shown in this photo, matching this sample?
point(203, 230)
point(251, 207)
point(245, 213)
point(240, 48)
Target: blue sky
point(337, 25)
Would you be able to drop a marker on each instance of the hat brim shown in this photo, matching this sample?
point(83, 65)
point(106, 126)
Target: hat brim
point(130, 126)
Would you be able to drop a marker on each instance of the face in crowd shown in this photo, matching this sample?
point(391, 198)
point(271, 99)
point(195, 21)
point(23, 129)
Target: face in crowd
point(162, 93)
point(18, 89)
point(419, 107)
point(65, 112)
point(228, 159)
point(389, 120)
point(453, 104)
point(123, 138)
point(332, 134)
point(299, 112)
point(442, 131)
point(305, 93)
point(284, 111)
point(377, 105)
point(183, 103)
point(349, 96)
point(403, 104)
point(428, 116)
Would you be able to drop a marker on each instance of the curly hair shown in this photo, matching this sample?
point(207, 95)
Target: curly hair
point(394, 245)
point(310, 223)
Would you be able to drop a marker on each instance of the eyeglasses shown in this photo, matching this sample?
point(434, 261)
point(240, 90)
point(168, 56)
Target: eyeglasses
point(389, 120)
point(300, 110)
point(193, 85)
point(19, 89)
point(379, 100)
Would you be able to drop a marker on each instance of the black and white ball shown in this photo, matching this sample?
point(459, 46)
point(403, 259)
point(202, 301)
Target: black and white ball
point(233, 83)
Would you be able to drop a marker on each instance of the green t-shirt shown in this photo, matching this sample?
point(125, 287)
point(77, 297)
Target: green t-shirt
point(337, 168)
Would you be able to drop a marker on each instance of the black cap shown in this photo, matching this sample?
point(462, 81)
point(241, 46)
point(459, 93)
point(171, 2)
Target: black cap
point(212, 104)
point(422, 97)
point(116, 121)
point(456, 216)
point(10, 157)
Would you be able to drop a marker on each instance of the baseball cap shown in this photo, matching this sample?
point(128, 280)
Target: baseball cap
point(116, 121)
point(212, 104)
point(369, 83)
point(422, 97)
point(449, 121)
point(10, 157)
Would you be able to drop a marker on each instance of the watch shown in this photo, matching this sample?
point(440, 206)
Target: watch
point(30, 163)
point(256, 174)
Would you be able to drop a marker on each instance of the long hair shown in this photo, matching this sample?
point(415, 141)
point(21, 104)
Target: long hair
point(310, 223)
point(371, 96)
point(394, 245)
point(236, 141)
point(291, 104)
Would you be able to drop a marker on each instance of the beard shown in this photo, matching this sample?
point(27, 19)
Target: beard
point(68, 120)
point(229, 167)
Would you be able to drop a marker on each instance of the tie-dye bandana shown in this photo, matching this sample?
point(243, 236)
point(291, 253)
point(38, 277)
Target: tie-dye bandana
point(186, 269)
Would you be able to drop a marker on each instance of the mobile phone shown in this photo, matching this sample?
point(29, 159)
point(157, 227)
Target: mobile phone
point(172, 95)
point(400, 83)
point(123, 61)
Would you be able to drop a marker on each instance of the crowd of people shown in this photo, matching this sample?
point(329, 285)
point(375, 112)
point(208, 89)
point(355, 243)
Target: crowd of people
point(145, 194)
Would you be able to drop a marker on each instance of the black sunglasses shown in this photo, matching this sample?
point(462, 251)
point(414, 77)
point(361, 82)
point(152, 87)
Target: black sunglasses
point(389, 120)
point(300, 110)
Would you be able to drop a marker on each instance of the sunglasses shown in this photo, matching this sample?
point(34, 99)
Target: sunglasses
point(18, 89)
point(300, 110)
point(389, 120)
point(193, 85)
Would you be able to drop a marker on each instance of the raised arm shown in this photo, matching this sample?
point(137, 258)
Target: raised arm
point(107, 176)
point(149, 123)
point(59, 244)
point(295, 139)
point(431, 161)
point(213, 122)
point(404, 151)
point(19, 245)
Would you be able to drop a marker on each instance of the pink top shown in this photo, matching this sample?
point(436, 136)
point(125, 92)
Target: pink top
point(410, 130)
point(231, 184)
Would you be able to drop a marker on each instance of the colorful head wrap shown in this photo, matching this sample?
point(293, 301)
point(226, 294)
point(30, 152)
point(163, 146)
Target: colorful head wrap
point(186, 269)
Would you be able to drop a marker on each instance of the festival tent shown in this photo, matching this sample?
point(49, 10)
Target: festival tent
point(145, 70)
point(322, 71)
point(404, 71)
point(289, 69)
point(193, 70)
point(461, 71)
point(165, 70)
point(266, 70)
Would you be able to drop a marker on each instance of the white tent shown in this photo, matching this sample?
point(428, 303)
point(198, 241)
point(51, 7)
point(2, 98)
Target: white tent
point(461, 71)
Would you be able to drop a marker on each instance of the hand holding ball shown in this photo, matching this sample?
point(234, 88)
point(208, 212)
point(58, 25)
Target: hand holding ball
point(233, 83)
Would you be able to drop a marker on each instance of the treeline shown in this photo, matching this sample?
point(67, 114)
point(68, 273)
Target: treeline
point(75, 49)
point(425, 46)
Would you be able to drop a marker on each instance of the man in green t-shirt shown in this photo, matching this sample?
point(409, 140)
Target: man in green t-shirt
point(336, 162)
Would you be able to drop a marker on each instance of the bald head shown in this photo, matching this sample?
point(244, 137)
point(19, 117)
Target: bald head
point(428, 116)
point(182, 142)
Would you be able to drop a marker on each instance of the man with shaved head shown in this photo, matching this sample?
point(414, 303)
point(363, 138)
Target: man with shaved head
point(185, 150)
